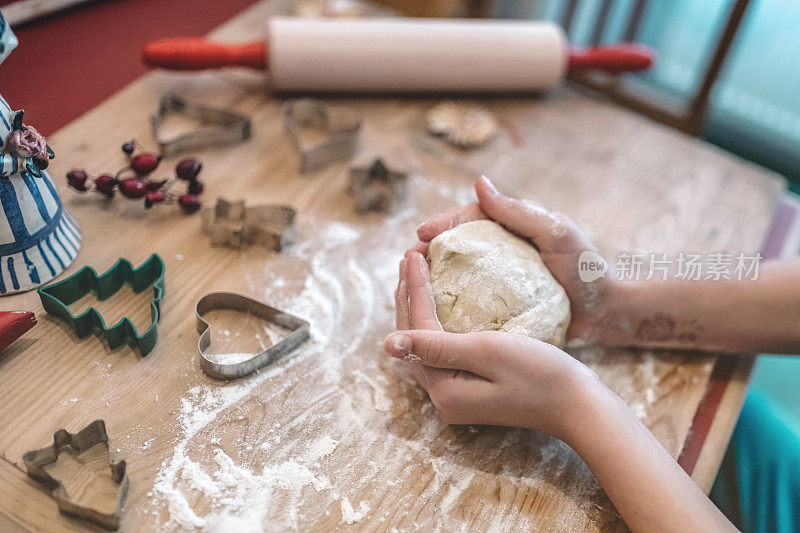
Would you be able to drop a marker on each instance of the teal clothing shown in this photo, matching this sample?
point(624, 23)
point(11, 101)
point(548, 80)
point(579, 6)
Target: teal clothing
point(758, 487)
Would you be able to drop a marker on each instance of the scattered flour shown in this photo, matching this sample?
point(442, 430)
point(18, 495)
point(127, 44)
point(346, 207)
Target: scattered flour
point(324, 422)
point(351, 516)
point(228, 358)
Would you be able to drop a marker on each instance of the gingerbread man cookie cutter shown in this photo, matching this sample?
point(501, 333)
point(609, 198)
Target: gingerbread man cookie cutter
point(235, 225)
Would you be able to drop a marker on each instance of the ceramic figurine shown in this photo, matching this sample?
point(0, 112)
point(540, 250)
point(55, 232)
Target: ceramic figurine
point(39, 238)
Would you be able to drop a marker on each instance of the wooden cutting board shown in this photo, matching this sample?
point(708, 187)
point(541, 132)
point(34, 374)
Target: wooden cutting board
point(338, 435)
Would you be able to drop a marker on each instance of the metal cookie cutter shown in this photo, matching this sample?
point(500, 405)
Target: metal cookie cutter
point(234, 225)
point(76, 444)
point(376, 187)
point(57, 297)
point(238, 302)
point(321, 133)
point(217, 125)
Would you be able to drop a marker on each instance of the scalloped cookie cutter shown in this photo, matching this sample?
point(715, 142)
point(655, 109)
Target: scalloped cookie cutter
point(57, 297)
point(337, 131)
point(76, 444)
point(238, 302)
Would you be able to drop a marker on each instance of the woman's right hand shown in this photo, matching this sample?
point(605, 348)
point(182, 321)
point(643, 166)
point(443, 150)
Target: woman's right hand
point(560, 243)
point(488, 377)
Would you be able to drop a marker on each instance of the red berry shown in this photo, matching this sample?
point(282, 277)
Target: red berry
point(154, 198)
point(189, 202)
point(145, 163)
point(128, 147)
point(77, 179)
point(154, 185)
point(196, 187)
point(133, 187)
point(188, 168)
point(105, 184)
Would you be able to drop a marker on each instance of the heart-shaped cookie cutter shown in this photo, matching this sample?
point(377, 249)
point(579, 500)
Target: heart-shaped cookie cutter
point(238, 302)
point(341, 127)
point(218, 126)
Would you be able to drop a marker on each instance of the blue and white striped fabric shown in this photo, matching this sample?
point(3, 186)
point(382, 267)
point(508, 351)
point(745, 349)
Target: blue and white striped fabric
point(39, 238)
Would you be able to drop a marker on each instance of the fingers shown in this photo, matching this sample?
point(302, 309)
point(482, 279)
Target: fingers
point(401, 298)
point(420, 248)
point(443, 222)
point(550, 231)
point(422, 307)
point(423, 376)
point(472, 352)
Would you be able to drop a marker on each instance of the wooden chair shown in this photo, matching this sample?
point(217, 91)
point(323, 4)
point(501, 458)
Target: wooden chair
point(685, 116)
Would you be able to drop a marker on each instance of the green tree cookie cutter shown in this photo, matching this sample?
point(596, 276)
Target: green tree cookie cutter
point(57, 297)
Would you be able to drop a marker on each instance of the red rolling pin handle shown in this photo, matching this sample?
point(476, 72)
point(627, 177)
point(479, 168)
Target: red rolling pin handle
point(199, 54)
point(13, 324)
point(614, 59)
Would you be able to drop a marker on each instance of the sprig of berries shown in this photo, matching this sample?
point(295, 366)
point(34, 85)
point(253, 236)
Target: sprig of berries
point(135, 181)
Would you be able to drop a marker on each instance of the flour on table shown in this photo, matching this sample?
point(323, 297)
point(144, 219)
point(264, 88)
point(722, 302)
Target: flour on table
point(228, 358)
point(337, 422)
point(350, 515)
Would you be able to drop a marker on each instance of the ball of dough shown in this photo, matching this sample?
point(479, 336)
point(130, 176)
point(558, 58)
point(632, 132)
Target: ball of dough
point(486, 278)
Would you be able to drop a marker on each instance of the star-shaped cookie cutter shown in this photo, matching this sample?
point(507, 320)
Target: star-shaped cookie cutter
point(234, 225)
point(338, 130)
point(299, 333)
point(376, 187)
point(218, 125)
point(57, 297)
point(77, 444)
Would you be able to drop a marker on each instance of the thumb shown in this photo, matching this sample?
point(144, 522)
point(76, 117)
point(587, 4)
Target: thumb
point(459, 351)
point(550, 231)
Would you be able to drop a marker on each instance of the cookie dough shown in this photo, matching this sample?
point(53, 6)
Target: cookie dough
point(486, 278)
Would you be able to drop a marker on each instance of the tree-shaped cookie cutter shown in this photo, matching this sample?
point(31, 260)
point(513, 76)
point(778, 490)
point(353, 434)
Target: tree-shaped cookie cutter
point(57, 297)
point(218, 126)
point(299, 333)
point(78, 443)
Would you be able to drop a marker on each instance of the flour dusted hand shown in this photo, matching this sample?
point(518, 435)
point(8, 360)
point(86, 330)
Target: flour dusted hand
point(486, 278)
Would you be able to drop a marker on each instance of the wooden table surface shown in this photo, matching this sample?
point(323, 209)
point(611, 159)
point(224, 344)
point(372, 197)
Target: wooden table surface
point(339, 433)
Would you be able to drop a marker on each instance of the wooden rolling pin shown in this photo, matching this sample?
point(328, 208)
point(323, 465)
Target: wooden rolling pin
point(403, 55)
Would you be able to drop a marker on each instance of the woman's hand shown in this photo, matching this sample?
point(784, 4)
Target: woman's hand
point(504, 379)
point(490, 377)
point(559, 241)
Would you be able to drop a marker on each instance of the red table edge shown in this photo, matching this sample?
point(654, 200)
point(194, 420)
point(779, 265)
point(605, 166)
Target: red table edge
point(725, 366)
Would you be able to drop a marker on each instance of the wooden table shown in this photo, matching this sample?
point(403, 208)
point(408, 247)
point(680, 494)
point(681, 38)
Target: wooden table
point(304, 443)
